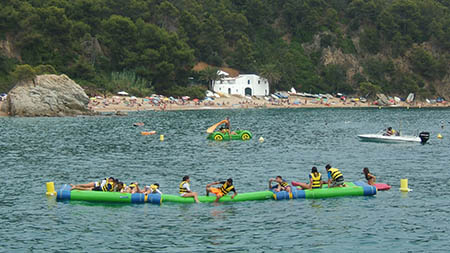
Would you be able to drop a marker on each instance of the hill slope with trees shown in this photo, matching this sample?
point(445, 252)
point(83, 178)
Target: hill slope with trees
point(352, 46)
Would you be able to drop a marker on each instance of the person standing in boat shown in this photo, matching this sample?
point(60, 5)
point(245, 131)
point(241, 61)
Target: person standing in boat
point(185, 189)
point(227, 186)
point(371, 179)
point(335, 177)
point(282, 185)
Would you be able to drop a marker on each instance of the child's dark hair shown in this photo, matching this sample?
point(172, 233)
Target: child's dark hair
point(366, 172)
point(185, 178)
point(314, 171)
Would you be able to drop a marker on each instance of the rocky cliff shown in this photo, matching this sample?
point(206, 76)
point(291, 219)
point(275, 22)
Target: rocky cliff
point(46, 95)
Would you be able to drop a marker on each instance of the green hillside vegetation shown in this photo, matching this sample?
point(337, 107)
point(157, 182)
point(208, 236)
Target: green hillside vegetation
point(144, 46)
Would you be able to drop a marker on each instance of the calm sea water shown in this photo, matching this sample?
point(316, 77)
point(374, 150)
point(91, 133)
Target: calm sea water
point(84, 149)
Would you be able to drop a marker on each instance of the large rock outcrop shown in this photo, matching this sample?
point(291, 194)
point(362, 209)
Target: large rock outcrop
point(47, 95)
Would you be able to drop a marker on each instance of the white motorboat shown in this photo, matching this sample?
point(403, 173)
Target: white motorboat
point(382, 137)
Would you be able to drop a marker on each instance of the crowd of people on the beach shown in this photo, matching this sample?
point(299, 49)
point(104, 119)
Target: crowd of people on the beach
point(163, 103)
point(110, 184)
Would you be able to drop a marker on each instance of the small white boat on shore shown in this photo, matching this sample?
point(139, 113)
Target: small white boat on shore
point(382, 137)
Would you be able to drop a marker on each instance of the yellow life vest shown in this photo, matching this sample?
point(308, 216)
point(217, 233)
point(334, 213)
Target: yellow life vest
point(284, 184)
point(226, 188)
point(108, 187)
point(182, 189)
point(316, 180)
point(335, 173)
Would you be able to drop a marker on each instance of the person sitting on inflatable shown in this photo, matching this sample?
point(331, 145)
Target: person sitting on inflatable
point(154, 188)
point(369, 177)
point(106, 185)
point(132, 188)
point(315, 180)
point(282, 185)
point(119, 187)
point(227, 186)
point(185, 190)
point(335, 177)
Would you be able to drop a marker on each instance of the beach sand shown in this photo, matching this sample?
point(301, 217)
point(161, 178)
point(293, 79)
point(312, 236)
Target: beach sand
point(126, 104)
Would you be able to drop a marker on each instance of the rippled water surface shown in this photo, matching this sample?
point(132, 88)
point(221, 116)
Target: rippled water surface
point(84, 149)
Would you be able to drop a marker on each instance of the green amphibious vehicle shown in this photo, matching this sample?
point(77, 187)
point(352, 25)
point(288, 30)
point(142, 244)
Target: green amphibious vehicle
point(235, 135)
point(226, 134)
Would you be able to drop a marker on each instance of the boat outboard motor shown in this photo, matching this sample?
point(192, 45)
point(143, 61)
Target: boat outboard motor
point(424, 137)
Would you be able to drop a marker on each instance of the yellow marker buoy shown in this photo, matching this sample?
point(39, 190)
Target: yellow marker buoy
point(50, 189)
point(161, 137)
point(404, 185)
point(261, 139)
point(439, 136)
point(379, 107)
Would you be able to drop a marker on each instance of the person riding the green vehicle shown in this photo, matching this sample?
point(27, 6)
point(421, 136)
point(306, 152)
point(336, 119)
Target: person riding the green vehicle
point(222, 131)
point(227, 127)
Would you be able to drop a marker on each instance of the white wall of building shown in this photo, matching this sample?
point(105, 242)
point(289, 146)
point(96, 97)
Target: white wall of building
point(242, 85)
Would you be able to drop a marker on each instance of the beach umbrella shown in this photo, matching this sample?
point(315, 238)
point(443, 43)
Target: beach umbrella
point(195, 100)
point(165, 99)
point(92, 98)
point(122, 93)
point(133, 97)
point(185, 97)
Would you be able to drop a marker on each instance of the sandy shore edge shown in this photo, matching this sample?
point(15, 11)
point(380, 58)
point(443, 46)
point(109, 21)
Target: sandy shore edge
point(127, 104)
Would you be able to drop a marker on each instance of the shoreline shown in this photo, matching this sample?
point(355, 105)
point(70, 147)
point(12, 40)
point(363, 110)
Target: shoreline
point(127, 104)
point(234, 102)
